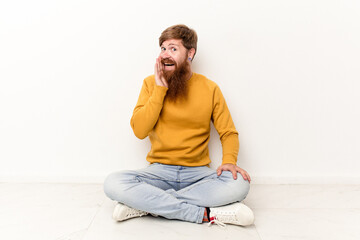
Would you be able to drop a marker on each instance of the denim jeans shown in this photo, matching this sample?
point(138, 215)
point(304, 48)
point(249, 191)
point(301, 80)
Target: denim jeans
point(175, 192)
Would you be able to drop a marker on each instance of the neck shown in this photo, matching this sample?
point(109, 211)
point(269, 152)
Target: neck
point(189, 75)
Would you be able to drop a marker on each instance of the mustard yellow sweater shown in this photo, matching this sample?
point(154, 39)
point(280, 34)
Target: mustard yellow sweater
point(179, 132)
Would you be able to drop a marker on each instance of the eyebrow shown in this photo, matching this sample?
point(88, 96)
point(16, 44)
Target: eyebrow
point(171, 44)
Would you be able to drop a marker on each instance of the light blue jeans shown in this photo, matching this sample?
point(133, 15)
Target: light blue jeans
point(175, 192)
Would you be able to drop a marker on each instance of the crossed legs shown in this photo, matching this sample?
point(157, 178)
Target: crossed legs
point(175, 192)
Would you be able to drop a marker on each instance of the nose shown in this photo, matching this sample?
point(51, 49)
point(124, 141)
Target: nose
point(164, 54)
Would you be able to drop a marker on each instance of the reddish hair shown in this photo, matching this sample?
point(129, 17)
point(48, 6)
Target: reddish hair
point(187, 35)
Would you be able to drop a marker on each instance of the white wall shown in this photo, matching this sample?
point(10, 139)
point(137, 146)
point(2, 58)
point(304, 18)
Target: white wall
point(71, 72)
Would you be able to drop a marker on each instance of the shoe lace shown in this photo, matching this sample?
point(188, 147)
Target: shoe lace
point(217, 222)
point(135, 212)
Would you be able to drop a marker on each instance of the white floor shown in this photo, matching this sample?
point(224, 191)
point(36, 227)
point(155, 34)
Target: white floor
point(82, 212)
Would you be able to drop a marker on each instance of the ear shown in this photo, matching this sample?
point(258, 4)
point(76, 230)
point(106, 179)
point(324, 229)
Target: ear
point(191, 53)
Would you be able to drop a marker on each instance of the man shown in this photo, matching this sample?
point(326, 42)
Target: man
point(174, 109)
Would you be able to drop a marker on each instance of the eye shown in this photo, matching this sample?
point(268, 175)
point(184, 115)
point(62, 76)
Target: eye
point(163, 49)
point(173, 49)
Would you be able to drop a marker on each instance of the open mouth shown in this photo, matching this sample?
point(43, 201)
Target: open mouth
point(168, 62)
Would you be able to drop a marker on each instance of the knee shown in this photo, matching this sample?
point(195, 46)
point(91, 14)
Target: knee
point(114, 185)
point(239, 188)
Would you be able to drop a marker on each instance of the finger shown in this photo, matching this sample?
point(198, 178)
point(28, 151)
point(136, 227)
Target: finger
point(249, 178)
point(234, 173)
point(162, 67)
point(161, 70)
point(156, 68)
point(241, 171)
point(219, 171)
point(244, 175)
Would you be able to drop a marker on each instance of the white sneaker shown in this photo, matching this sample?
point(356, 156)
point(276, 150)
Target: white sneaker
point(123, 212)
point(235, 213)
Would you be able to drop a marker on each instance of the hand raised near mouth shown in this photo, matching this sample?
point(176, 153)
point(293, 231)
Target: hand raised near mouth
point(159, 73)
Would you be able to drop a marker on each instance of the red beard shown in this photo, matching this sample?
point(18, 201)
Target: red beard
point(177, 80)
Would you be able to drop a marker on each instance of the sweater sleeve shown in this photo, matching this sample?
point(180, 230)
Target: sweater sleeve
point(147, 109)
point(225, 127)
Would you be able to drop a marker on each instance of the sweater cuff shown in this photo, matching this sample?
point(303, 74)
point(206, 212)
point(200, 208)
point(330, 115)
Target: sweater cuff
point(228, 160)
point(159, 94)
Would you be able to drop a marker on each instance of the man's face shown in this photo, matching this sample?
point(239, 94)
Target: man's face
point(173, 54)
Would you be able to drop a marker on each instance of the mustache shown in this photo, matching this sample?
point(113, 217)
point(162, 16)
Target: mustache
point(168, 61)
